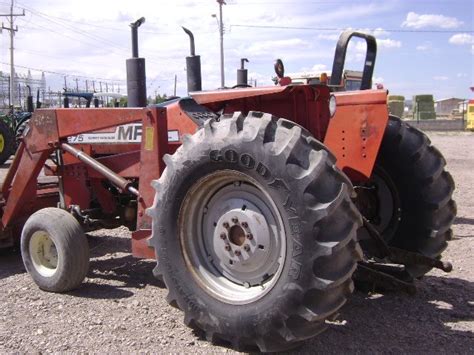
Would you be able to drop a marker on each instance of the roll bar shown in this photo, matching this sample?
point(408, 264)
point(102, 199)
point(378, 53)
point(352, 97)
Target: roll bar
point(340, 58)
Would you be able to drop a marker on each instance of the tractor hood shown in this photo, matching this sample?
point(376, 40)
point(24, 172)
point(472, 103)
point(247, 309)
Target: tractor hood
point(207, 97)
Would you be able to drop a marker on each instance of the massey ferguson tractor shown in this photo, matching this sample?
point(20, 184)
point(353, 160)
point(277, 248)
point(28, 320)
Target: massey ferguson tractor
point(260, 205)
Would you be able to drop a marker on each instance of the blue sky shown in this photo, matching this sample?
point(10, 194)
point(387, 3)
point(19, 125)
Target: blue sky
point(91, 39)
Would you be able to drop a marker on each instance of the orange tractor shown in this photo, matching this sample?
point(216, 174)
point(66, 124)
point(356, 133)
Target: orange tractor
point(259, 204)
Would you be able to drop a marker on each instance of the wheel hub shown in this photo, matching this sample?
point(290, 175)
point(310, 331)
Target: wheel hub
point(241, 242)
point(43, 253)
point(238, 244)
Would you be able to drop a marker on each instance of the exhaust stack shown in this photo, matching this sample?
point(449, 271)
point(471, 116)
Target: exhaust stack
point(193, 66)
point(29, 100)
point(242, 73)
point(136, 76)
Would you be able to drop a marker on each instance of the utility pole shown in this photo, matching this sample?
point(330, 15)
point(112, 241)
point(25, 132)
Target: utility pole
point(221, 33)
point(87, 85)
point(12, 31)
point(175, 82)
point(77, 84)
point(65, 83)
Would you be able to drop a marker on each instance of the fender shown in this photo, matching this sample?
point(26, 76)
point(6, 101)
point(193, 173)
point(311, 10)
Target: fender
point(355, 132)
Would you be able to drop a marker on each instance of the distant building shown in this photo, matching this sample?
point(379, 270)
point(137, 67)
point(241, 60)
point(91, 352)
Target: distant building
point(446, 106)
point(462, 106)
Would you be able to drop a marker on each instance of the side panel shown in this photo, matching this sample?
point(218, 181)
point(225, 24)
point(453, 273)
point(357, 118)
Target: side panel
point(355, 132)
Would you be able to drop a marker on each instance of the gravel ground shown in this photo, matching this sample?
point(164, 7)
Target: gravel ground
point(120, 306)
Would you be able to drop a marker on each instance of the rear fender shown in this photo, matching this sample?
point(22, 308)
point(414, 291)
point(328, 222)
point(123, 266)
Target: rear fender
point(355, 132)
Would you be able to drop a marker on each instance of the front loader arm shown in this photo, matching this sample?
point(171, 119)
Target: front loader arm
point(46, 130)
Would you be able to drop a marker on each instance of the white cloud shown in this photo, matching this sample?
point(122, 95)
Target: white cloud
point(267, 47)
point(377, 33)
point(440, 78)
point(388, 43)
point(462, 38)
point(319, 67)
point(424, 47)
point(329, 37)
point(418, 21)
point(461, 75)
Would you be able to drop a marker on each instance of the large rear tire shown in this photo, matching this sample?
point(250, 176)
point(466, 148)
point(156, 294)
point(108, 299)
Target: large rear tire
point(409, 198)
point(55, 250)
point(255, 232)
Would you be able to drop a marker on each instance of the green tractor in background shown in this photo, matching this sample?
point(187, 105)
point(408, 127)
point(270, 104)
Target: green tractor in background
point(12, 126)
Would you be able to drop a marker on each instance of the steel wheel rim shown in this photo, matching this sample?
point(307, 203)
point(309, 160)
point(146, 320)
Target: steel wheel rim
point(388, 204)
point(43, 253)
point(232, 237)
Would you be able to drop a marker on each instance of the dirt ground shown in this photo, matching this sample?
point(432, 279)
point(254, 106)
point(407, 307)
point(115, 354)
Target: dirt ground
point(121, 308)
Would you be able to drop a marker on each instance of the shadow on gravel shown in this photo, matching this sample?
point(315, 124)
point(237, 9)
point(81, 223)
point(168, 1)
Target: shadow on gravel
point(108, 244)
point(117, 277)
point(10, 263)
point(396, 322)
point(101, 291)
point(464, 220)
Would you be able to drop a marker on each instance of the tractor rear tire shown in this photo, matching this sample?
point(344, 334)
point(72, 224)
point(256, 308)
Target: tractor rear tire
point(255, 232)
point(55, 250)
point(7, 142)
point(421, 209)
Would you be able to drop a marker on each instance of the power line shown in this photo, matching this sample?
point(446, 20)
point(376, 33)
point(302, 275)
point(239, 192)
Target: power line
point(65, 74)
point(343, 29)
point(101, 40)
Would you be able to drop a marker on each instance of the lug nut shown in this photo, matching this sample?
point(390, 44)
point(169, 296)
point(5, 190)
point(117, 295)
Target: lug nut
point(225, 225)
point(250, 236)
point(223, 236)
point(235, 220)
point(245, 224)
point(227, 247)
point(237, 253)
point(246, 247)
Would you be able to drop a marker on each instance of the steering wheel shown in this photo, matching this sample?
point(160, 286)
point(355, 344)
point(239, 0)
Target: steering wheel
point(279, 68)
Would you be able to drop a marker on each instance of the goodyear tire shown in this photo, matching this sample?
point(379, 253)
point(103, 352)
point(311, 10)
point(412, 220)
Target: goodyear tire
point(411, 200)
point(255, 232)
point(54, 249)
point(7, 142)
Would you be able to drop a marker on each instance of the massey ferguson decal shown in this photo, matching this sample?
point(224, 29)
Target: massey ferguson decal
point(130, 133)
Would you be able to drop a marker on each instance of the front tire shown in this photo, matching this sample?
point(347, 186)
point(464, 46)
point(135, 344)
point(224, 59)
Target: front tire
point(268, 178)
point(55, 250)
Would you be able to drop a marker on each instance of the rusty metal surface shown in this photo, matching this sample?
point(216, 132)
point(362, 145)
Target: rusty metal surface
point(12, 170)
point(140, 248)
point(355, 132)
point(74, 121)
point(302, 104)
point(154, 147)
point(42, 131)
point(24, 184)
point(116, 179)
point(205, 97)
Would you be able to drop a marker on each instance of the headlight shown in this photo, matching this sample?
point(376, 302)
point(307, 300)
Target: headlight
point(332, 105)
